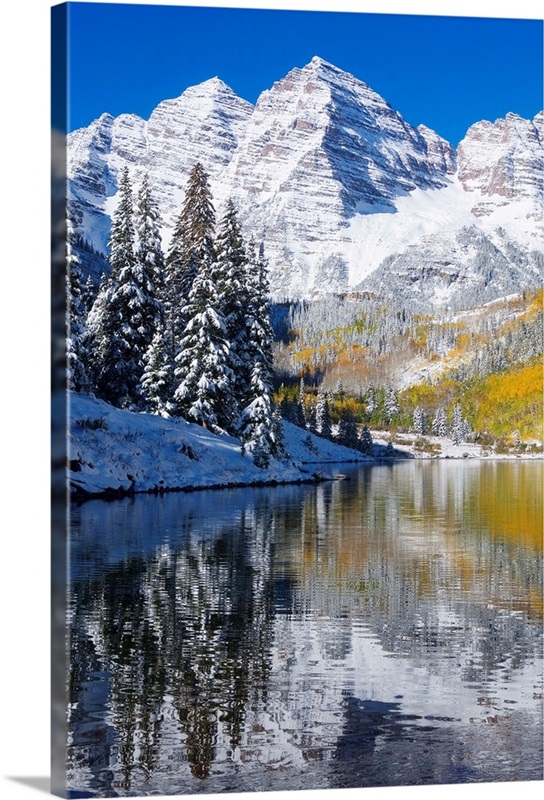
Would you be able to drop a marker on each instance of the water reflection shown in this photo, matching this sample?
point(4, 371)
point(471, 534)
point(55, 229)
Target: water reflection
point(383, 630)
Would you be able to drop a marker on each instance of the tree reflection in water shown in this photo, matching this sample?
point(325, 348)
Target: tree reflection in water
point(261, 639)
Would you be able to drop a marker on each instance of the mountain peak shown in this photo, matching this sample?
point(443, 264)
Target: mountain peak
point(211, 86)
point(317, 61)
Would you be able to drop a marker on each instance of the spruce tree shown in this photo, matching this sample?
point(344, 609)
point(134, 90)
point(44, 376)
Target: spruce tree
point(76, 350)
point(322, 416)
point(440, 423)
point(88, 295)
point(371, 403)
point(202, 371)
point(366, 445)
point(457, 426)
point(192, 245)
point(257, 414)
point(157, 375)
point(128, 311)
point(157, 382)
point(391, 405)
point(419, 421)
point(234, 281)
point(257, 429)
point(347, 429)
point(149, 246)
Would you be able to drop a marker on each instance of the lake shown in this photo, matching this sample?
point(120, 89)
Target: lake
point(381, 630)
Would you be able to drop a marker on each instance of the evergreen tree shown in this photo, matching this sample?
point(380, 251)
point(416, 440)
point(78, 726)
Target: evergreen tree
point(391, 405)
point(419, 421)
point(302, 403)
point(371, 404)
point(440, 423)
point(257, 414)
point(277, 435)
point(128, 311)
point(76, 350)
point(192, 245)
point(157, 383)
point(457, 426)
point(149, 246)
point(235, 281)
point(88, 295)
point(95, 329)
point(195, 323)
point(202, 371)
point(322, 416)
point(347, 430)
point(311, 416)
point(366, 445)
point(157, 374)
point(257, 432)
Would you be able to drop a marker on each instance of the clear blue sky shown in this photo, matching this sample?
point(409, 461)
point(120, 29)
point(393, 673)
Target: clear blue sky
point(444, 72)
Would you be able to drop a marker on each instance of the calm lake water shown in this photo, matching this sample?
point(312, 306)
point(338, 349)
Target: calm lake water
point(381, 630)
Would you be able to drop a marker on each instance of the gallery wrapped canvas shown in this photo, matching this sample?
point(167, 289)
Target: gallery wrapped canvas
point(296, 400)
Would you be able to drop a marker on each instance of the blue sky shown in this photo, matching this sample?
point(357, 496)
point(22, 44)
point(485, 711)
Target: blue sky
point(444, 72)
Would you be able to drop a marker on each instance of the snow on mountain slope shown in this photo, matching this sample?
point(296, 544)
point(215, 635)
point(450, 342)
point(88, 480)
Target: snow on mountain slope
point(337, 184)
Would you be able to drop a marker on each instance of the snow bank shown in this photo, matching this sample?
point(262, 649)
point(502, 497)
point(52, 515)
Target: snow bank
point(116, 451)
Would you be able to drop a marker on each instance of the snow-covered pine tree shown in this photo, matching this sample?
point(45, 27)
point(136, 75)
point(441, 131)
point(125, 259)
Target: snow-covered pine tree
point(279, 448)
point(94, 328)
point(302, 403)
point(234, 280)
point(311, 418)
point(371, 403)
point(257, 414)
point(192, 244)
point(391, 405)
point(157, 382)
point(157, 375)
point(440, 423)
point(347, 429)
point(457, 430)
point(202, 371)
point(322, 415)
point(202, 389)
point(88, 295)
point(128, 314)
point(148, 240)
point(257, 420)
point(76, 350)
point(419, 421)
point(366, 445)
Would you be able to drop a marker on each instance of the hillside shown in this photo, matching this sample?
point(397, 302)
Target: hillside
point(115, 451)
point(487, 359)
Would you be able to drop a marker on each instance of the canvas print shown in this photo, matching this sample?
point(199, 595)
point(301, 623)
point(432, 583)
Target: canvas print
point(297, 400)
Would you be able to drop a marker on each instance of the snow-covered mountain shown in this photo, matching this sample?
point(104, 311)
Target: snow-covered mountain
point(345, 193)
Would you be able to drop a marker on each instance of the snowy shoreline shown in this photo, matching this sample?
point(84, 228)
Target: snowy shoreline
point(114, 453)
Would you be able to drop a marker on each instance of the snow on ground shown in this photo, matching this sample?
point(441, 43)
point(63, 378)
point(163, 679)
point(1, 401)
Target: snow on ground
point(111, 450)
point(116, 451)
point(406, 446)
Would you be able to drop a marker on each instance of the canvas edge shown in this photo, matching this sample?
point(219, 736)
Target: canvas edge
point(59, 650)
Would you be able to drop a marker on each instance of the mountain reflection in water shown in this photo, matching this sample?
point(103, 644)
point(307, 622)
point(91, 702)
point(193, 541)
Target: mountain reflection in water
point(384, 630)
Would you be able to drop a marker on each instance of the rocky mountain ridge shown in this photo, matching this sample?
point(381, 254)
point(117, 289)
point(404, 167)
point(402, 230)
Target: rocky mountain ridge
point(343, 191)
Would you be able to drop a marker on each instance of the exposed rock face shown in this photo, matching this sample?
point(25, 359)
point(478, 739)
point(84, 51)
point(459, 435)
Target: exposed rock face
point(455, 270)
point(320, 147)
point(204, 124)
point(331, 177)
point(504, 158)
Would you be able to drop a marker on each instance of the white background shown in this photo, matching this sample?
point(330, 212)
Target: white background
point(24, 394)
